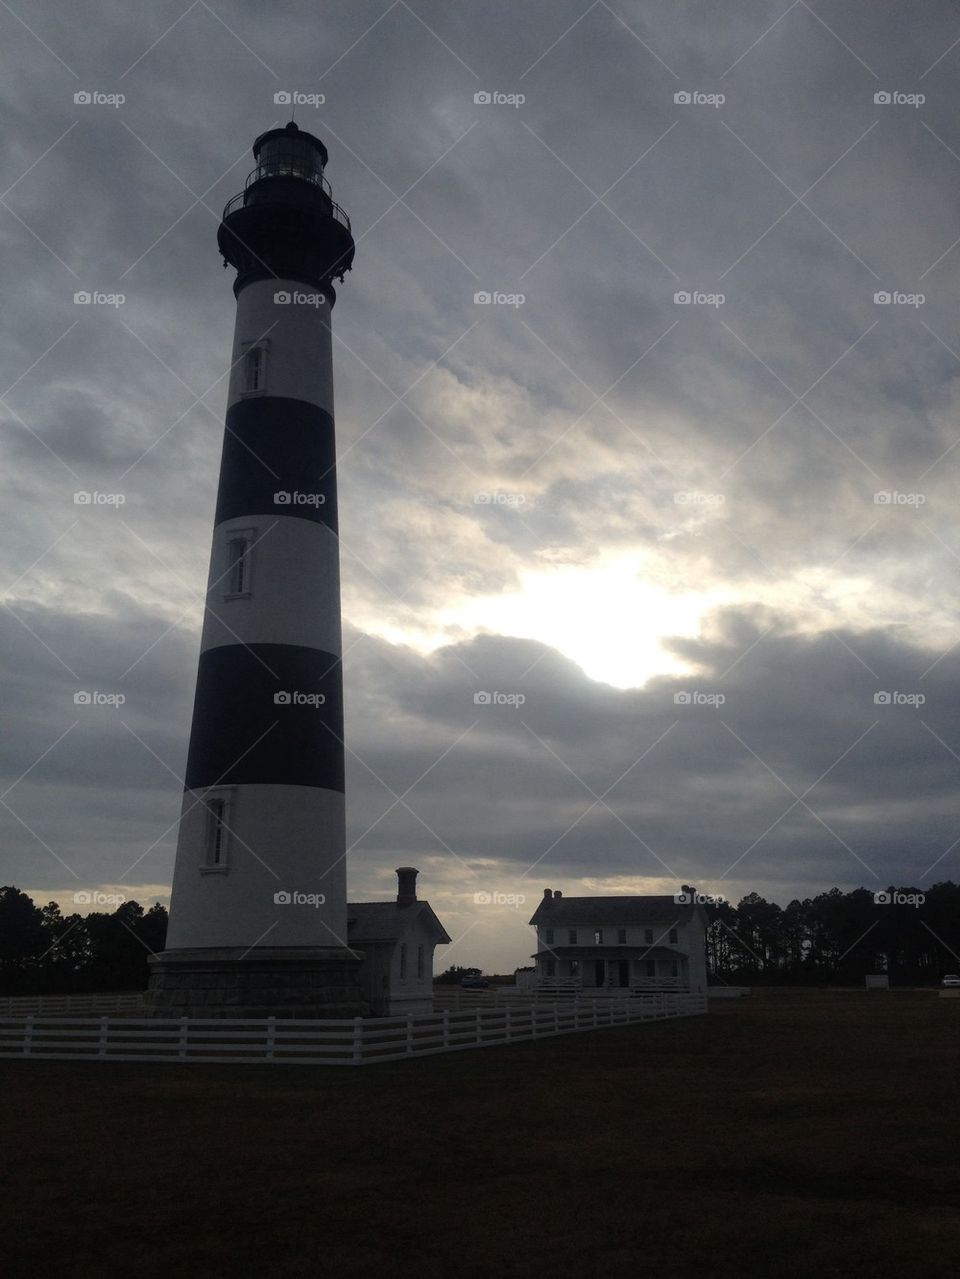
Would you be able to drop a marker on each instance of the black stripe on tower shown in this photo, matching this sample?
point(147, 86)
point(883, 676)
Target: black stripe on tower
point(274, 444)
point(246, 732)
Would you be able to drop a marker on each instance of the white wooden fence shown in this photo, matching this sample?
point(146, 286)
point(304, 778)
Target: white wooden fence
point(113, 1002)
point(358, 1041)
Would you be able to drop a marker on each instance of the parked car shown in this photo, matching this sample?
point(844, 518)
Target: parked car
point(951, 979)
point(474, 983)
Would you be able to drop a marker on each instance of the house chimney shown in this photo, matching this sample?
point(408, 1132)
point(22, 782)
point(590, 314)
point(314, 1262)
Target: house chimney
point(406, 885)
point(547, 894)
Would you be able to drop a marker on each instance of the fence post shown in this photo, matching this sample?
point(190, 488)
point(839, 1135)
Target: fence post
point(102, 1046)
point(184, 1036)
point(358, 1041)
point(271, 1036)
point(409, 1034)
point(479, 1025)
point(509, 1024)
point(446, 1027)
point(28, 1036)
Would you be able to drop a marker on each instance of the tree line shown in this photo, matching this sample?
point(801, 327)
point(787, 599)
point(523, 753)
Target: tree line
point(910, 934)
point(44, 952)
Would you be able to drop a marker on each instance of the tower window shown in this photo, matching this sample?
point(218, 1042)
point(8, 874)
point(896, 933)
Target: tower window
point(673, 937)
point(403, 961)
point(255, 368)
point(548, 936)
point(572, 937)
point(238, 564)
point(216, 835)
point(419, 962)
point(648, 936)
point(598, 936)
point(621, 937)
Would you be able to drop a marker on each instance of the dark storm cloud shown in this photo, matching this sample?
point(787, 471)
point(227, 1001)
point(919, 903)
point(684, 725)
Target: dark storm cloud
point(597, 401)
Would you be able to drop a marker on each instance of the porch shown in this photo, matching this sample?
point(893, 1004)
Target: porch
point(592, 970)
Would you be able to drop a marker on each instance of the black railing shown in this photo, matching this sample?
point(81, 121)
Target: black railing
point(284, 169)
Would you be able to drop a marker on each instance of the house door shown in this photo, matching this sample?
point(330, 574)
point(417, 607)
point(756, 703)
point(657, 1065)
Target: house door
point(624, 972)
point(599, 972)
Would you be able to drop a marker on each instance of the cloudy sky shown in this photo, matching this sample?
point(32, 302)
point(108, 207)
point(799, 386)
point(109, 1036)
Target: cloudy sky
point(707, 548)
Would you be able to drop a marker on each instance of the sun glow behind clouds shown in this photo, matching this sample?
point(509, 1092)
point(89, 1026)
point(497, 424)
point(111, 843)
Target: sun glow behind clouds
point(609, 618)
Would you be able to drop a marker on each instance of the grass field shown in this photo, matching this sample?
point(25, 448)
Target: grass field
point(809, 1133)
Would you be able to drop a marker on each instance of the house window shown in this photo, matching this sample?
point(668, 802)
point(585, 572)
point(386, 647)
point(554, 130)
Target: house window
point(651, 967)
point(572, 937)
point(674, 969)
point(419, 963)
point(621, 937)
point(238, 564)
point(598, 937)
point(648, 936)
point(550, 968)
point(403, 961)
point(574, 967)
point(673, 937)
point(548, 937)
point(255, 369)
point(215, 837)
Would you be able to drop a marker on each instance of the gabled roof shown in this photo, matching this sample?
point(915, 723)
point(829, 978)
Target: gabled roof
point(389, 921)
point(564, 911)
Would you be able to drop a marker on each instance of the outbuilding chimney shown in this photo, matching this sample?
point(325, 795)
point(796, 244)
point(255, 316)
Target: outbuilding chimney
point(406, 885)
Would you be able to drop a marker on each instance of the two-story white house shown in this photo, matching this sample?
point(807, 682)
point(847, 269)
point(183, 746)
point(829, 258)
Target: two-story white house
point(397, 941)
point(620, 945)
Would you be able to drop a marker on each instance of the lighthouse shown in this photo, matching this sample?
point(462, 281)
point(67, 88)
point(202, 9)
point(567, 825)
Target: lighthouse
point(258, 915)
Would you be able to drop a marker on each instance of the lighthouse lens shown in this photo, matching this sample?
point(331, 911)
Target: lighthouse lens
point(290, 157)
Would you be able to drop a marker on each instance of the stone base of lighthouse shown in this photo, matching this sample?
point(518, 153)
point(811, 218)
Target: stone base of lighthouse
point(266, 981)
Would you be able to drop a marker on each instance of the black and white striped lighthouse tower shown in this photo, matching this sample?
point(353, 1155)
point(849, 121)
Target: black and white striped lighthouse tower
point(258, 918)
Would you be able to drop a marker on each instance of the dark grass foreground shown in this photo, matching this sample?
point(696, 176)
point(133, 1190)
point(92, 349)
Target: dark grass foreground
point(795, 1134)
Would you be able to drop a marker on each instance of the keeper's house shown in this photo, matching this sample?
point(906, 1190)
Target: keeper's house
point(397, 941)
point(621, 945)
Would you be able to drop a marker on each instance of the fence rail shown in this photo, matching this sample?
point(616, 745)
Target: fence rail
point(114, 1002)
point(358, 1041)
